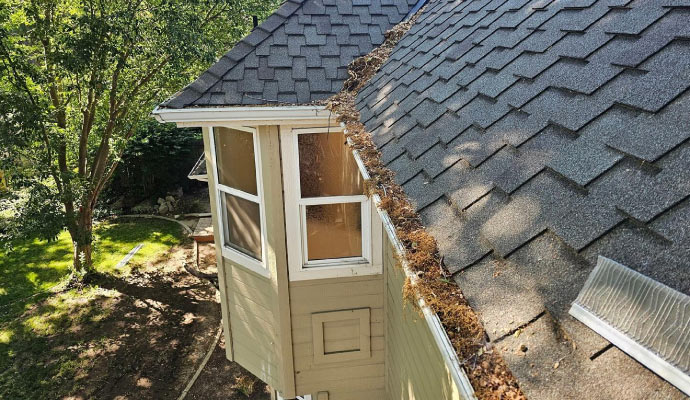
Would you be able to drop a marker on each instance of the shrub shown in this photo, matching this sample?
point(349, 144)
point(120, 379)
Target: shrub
point(155, 162)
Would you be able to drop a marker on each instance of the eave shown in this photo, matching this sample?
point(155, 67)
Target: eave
point(269, 115)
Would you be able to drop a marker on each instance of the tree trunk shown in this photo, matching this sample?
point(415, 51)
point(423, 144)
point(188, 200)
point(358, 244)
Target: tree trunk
point(82, 238)
point(82, 257)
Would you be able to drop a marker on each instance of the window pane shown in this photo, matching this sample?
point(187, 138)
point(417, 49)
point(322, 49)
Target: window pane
point(334, 231)
point(235, 158)
point(243, 225)
point(327, 166)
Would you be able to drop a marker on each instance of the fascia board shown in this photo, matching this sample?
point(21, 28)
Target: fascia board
point(199, 117)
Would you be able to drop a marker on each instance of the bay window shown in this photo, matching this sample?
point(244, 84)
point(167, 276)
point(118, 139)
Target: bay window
point(328, 216)
point(239, 194)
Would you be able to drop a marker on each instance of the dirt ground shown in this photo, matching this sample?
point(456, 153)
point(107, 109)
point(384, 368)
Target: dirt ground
point(219, 379)
point(162, 323)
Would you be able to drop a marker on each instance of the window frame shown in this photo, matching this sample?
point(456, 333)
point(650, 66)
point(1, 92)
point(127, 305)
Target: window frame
point(238, 257)
point(365, 217)
point(300, 267)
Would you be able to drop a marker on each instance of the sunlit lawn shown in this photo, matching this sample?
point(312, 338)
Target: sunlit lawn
point(42, 340)
point(37, 266)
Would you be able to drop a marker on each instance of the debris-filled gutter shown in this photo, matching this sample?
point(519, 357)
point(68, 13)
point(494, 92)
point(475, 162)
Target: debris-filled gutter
point(428, 284)
point(450, 357)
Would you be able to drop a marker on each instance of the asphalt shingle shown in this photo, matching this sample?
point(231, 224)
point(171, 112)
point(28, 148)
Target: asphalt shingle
point(561, 138)
point(299, 30)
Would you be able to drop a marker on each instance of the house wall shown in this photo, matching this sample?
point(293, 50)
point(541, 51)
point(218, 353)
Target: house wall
point(253, 323)
point(256, 314)
point(269, 321)
point(347, 380)
point(415, 368)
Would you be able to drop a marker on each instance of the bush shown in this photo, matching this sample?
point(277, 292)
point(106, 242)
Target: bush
point(155, 162)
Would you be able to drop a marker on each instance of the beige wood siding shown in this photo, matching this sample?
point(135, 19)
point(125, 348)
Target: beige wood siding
point(415, 368)
point(346, 380)
point(255, 308)
point(254, 330)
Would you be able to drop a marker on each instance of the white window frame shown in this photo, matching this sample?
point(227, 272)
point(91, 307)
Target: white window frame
point(300, 268)
point(238, 257)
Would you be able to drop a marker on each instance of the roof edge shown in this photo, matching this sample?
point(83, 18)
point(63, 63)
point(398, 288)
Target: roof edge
point(263, 115)
point(238, 52)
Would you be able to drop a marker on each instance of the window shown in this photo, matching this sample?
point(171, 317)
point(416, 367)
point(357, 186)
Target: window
point(238, 192)
point(328, 217)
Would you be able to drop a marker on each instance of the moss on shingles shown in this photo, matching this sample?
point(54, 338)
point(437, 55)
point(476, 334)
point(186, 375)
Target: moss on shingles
point(487, 371)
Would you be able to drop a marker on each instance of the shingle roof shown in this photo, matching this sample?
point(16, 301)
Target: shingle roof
point(534, 136)
point(298, 55)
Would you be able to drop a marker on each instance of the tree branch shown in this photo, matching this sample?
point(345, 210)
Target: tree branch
point(21, 85)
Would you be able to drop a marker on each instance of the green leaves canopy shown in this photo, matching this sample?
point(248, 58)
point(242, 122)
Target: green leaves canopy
point(78, 76)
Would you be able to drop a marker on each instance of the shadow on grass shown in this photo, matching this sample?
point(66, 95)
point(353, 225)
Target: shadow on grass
point(33, 266)
point(126, 334)
point(130, 337)
point(36, 266)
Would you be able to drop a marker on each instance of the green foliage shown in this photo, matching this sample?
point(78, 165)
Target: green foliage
point(156, 161)
point(77, 77)
point(37, 215)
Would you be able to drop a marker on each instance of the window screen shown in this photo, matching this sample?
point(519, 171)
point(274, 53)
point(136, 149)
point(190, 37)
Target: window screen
point(334, 231)
point(243, 225)
point(327, 167)
point(236, 159)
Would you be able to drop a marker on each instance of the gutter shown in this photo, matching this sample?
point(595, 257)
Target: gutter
point(450, 356)
point(209, 116)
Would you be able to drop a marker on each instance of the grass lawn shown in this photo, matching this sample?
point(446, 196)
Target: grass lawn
point(36, 266)
point(47, 341)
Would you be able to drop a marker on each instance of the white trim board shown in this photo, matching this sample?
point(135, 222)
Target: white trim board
point(450, 356)
point(129, 256)
point(212, 116)
point(303, 397)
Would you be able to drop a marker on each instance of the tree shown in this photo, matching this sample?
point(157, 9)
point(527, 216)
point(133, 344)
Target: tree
point(76, 79)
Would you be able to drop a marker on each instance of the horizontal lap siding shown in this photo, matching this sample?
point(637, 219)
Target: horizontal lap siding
point(253, 324)
point(415, 368)
point(347, 380)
